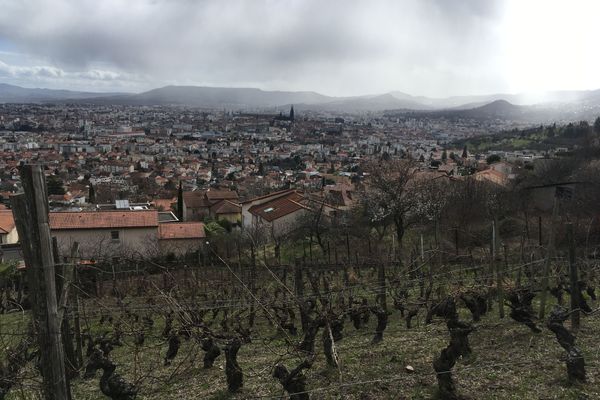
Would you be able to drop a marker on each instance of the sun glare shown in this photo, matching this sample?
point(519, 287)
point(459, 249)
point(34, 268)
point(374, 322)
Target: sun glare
point(552, 45)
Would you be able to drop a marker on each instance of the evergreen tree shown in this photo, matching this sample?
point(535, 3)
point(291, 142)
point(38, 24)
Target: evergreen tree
point(444, 155)
point(55, 185)
point(180, 202)
point(292, 113)
point(465, 154)
point(91, 194)
point(494, 158)
point(597, 126)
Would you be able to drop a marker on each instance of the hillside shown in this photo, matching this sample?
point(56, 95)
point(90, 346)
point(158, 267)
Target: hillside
point(214, 97)
point(544, 106)
point(496, 109)
point(17, 94)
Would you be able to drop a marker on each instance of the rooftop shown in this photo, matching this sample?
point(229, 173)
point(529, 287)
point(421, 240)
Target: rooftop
point(183, 230)
point(226, 207)
point(103, 219)
point(7, 222)
point(279, 207)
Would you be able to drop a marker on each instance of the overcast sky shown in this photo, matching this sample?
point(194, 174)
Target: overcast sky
point(336, 47)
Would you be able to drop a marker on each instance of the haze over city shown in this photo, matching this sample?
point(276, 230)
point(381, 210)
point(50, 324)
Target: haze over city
point(435, 48)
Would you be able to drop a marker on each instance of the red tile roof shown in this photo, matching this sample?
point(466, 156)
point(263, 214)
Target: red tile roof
point(226, 207)
point(201, 198)
point(278, 194)
point(195, 199)
point(216, 195)
point(279, 207)
point(183, 230)
point(103, 219)
point(7, 222)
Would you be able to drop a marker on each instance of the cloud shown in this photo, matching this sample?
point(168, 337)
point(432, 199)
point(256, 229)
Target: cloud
point(58, 78)
point(35, 71)
point(432, 47)
point(45, 71)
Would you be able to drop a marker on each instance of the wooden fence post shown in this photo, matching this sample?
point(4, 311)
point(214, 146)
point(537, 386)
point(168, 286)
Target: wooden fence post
point(497, 266)
point(299, 293)
point(62, 286)
point(77, 322)
point(298, 283)
point(499, 269)
point(31, 217)
point(382, 286)
point(347, 247)
point(574, 278)
point(73, 296)
point(540, 230)
point(548, 260)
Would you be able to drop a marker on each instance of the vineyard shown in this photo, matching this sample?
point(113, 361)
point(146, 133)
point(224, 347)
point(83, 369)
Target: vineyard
point(445, 309)
point(349, 330)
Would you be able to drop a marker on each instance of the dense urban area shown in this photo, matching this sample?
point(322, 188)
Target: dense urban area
point(188, 235)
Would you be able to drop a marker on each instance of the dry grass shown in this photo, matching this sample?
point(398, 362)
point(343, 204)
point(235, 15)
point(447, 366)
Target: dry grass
point(508, 362)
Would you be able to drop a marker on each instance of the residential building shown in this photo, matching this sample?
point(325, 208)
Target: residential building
point(201, 204)
point(181, 238)
point(104, 234)
point(8, 229)
point(132, 234)
point(277, 212)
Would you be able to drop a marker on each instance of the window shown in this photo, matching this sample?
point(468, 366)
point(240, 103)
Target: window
point(114, 235)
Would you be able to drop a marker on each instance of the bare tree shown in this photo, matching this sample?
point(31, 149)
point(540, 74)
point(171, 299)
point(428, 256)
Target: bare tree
point(389, 194)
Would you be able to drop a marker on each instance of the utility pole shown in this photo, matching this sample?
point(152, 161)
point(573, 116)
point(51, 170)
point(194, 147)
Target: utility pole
point(31, 217)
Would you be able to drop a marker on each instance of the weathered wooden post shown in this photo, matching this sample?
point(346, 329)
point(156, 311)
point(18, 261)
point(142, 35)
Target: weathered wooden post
point(498, 266)
point(299, 293)
point(31, 217)
point(77, 321)
point(298, 283)
point(574, 278)
point(549, 254)
point(540, 230)
point(62, 287)
point(71, 279)
point(347, 247)
point(382, 286)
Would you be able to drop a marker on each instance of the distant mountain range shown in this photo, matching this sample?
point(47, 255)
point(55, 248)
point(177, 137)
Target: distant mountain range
point(510, 106)
point(17, 94)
